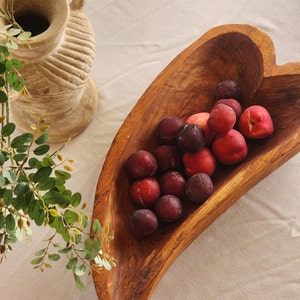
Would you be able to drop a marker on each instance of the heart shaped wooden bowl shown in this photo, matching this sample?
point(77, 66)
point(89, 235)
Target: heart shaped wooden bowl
point(186, 86)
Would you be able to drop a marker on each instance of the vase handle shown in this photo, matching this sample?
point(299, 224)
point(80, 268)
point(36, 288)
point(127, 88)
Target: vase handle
point(77, 4)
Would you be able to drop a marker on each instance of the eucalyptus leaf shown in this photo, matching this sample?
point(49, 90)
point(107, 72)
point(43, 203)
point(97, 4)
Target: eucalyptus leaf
point(41, 150)
point(62, 174)
point(18, 85)
point(8, 129)
point(33, 162)
point(72, 263)
point(16, 63)
point(40, 252)
point(21, 188)
point(10, 222)
point(11, 44)
point(3, 96)
point(65, 250)
point(54, 257)
point(11, 176)
point(47, 184)
point(42, 139)
point(97, 244)
point(3, 49)
point(11, 77)
point(2, 220)
point(79, 283)
point(19, 157)
point(25, 35)
point(42, 174)
point(2, 158)
point(70, 217)
point(37, 261)
point(96, 226)
point(21, 140)
point(76, 199)
point(39, 217)
point(13, 31)
point(2, 82)
point(7, 197)
point(2, 180)
point(80, 270)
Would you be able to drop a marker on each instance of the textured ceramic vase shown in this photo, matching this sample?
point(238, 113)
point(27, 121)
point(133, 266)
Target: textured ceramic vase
point(56, 68)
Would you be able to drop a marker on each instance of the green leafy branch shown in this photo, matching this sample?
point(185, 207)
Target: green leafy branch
point(33, 187)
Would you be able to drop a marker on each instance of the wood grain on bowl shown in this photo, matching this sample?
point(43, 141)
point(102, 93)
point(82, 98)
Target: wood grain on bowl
point(187, 85)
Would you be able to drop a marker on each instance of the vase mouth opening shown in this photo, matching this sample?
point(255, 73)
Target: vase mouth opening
point(43, 18)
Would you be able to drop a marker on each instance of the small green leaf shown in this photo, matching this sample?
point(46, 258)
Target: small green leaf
point(88, 244)
point(13, 31)
point(18, 85)
point(2, 82)
point(2, 158)
point(21, 188)
point(22, 149)
point(11, 77)
point(80, 270)
point(54, 257)
point(79, 283)
point(3, 49)
point(16, 64)
point(2, 180)
point(76, 199)
point(65, 250)
point(37, 261)
point(2, 221)
point(42, 174)
point(97, 244)
point(62, 174)
point(96, 226)
point(11, 44)
point(47, 162)
point(70, 217)
point(11, 176)
point(41, 150)
point(72, 263)
point(42, 139)
point(39, 217)
point(8, 129)
point(10, 222)
point(33, 162)
point(47, 184)
point(20, 157)
point(22, 139)
point(25, 35)
point(3, 97)
point(7, 197)
point(40, 252)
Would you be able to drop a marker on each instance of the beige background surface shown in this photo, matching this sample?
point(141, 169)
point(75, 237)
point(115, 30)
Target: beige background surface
point(250, 252)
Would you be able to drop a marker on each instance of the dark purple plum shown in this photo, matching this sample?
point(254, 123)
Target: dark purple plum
point(172, 183)
point(167, 158)
point(228, 89)
point(166, 130)
point(143, 222)
point(198, 188)
point(141, 164)
point(190, 138)
point(168, 208)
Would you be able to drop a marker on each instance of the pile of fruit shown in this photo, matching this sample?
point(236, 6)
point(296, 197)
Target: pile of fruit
point(187, 155)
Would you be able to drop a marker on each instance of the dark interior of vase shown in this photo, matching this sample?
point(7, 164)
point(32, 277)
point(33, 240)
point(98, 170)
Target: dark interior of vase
point(33, 22)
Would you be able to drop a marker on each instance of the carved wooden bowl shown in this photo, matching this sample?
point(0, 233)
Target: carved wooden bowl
point(187, 85)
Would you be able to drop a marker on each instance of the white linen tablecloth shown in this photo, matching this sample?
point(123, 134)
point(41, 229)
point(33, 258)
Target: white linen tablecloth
point(250, 252)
